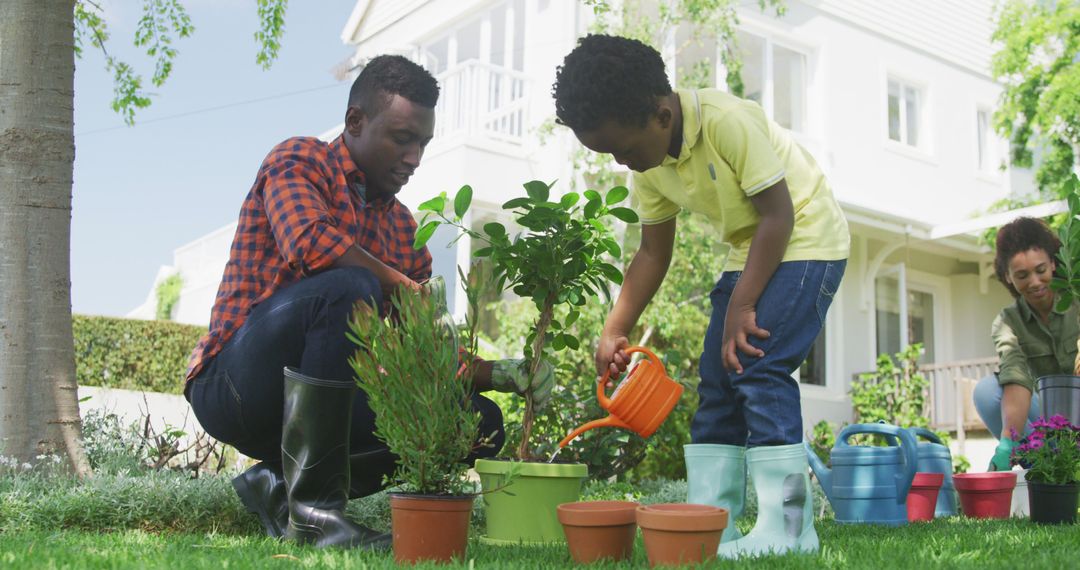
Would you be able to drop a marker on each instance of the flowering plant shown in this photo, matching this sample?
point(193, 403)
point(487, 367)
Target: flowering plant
point(1051, 452)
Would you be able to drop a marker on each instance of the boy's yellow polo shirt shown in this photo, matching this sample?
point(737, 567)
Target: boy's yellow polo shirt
point(730, 152)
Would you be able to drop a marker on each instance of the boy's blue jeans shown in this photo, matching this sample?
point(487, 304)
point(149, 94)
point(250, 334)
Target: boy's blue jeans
point(761, 406)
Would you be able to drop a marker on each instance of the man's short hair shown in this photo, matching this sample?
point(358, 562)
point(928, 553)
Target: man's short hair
point(388, 75)
point(609, 78)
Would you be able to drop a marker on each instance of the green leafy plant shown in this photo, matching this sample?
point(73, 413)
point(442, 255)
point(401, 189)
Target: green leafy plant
point(133, 354)
point(168, 294)
point(822, 439)
point(1051, 452)
point(1066, 282)
point(409, 368)
point(557, 261)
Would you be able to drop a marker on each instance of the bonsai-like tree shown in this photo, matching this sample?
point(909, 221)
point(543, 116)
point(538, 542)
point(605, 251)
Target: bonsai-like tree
point(409, 368)
point(557, 260)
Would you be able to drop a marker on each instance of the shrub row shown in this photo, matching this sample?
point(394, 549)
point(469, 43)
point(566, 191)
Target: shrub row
point(133, 354)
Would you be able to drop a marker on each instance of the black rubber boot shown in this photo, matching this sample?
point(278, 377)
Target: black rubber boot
point(262, 491)
point(262, 487)
point(315, 463)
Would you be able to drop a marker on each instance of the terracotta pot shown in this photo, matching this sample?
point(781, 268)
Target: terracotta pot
point(986, 495)
point(678, 533)
point(597, 530)
point(429, 527)
point(923, 497)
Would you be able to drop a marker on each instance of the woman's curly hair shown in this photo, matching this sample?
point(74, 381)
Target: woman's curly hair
point(1018, 236)
point(608, 77)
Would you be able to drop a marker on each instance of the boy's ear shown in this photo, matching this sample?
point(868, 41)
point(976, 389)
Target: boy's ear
point(664, 114)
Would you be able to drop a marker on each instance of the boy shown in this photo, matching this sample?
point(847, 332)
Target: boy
point(718, 155)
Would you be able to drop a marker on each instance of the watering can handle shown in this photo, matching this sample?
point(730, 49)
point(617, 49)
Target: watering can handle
point(605, 401)
point(926, 434)
point(907, 447)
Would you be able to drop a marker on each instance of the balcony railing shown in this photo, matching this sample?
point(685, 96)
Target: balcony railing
point(949, 402)
point(482, 100)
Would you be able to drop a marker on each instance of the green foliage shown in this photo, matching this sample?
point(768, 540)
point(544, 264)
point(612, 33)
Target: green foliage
point(895, 393)
point(133, 354)
point(1066, 280)
point(822, 439)
point(168, 293)
point(423, 408)
point(162, 22)
point(1039, 64)
point(1051, 452)
point(559, 261)
point(271, 30)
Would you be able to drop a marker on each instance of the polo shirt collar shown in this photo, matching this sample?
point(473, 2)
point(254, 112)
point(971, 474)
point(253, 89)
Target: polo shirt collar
point(690, 103)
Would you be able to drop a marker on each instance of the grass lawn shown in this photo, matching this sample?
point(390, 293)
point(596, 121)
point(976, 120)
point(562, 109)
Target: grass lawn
point(948, 543)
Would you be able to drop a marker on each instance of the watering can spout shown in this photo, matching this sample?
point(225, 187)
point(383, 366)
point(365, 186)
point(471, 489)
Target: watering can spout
point(823, 473)
point(609, 421)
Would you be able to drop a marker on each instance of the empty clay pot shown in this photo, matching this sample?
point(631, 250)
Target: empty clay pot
point(986, 495)
point(923, 497)
point(598, 530)
point(677, 533)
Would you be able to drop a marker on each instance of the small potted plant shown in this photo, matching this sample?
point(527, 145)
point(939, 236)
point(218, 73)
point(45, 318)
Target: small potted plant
point(420, 395)
point(558, 261)
point(1051, 454)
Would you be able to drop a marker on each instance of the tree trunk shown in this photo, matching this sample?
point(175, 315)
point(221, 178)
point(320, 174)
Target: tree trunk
point(39, 409)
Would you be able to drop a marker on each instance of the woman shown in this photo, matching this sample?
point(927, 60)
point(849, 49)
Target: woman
point(1032, 338)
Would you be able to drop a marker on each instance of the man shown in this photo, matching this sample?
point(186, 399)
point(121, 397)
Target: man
point(319, 231)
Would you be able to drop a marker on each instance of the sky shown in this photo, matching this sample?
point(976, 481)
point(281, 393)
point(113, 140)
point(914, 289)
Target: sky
point(184, 168)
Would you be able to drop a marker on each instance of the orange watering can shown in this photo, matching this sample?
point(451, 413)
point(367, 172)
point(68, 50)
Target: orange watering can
point(640, 403)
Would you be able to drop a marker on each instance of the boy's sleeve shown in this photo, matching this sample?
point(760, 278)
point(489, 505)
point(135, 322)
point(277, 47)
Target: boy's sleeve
point(652, 207)
point(742, 140)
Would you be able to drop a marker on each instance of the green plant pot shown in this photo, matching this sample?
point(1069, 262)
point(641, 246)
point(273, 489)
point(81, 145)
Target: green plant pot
point(525, 511)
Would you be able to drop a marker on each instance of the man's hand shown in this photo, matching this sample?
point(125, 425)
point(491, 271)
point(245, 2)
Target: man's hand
point(512, 375)
point(1002, 460)
point(611, 354)
point(739, 325)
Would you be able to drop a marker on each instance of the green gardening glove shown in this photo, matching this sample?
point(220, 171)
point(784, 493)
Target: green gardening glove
point(512, 375)
point(1002, 460)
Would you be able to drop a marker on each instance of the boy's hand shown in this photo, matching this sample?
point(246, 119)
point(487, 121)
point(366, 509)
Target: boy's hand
point(739, 325)
point(611, 354)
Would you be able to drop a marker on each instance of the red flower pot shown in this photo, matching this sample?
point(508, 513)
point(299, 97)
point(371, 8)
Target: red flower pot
point(986, 495)
point(597, 530)
point(922, 498)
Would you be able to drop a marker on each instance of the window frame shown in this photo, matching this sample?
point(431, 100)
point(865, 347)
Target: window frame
point(772, 39)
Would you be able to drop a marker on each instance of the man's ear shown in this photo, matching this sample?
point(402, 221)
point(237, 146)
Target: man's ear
point(355, 120)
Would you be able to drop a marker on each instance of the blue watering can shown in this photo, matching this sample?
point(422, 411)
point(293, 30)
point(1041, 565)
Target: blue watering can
point(934, 457)
point(868, 484)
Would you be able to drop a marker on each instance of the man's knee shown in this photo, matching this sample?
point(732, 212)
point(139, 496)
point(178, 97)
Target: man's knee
point(347, 285)
point(492, 431)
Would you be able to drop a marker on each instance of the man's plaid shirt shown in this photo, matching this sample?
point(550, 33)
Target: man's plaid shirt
point(305, 210)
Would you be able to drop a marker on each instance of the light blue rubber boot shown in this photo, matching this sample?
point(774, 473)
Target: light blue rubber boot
point(785, 520)
point(716, 476)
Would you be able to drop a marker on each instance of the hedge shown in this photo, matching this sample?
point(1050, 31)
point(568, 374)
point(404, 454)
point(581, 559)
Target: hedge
point(133, 354)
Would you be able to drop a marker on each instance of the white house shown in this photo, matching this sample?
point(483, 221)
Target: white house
point(892, 98)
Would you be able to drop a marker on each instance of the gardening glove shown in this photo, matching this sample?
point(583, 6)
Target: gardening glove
point(512, 375)
point(1002, 460)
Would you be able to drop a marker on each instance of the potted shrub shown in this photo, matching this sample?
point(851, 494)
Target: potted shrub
point(558, 261)
point(1051, 455)
point(410, 371)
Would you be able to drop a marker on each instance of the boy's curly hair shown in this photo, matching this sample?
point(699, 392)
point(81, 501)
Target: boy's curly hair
point(608, 77)
point(1019, 236)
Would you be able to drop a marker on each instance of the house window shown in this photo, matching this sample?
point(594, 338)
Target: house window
point(905, 319)
point(775, 77)
point(905, 112)
point(812, 370)
point(988, 148)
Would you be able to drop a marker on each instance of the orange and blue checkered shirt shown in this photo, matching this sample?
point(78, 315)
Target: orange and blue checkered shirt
point(305, 210)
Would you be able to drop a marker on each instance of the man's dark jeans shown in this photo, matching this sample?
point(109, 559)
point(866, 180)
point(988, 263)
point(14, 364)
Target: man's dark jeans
point(238, 397)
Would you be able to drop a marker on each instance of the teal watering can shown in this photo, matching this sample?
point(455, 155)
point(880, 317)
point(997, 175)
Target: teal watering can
point(868, 484)
point(934, 457)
